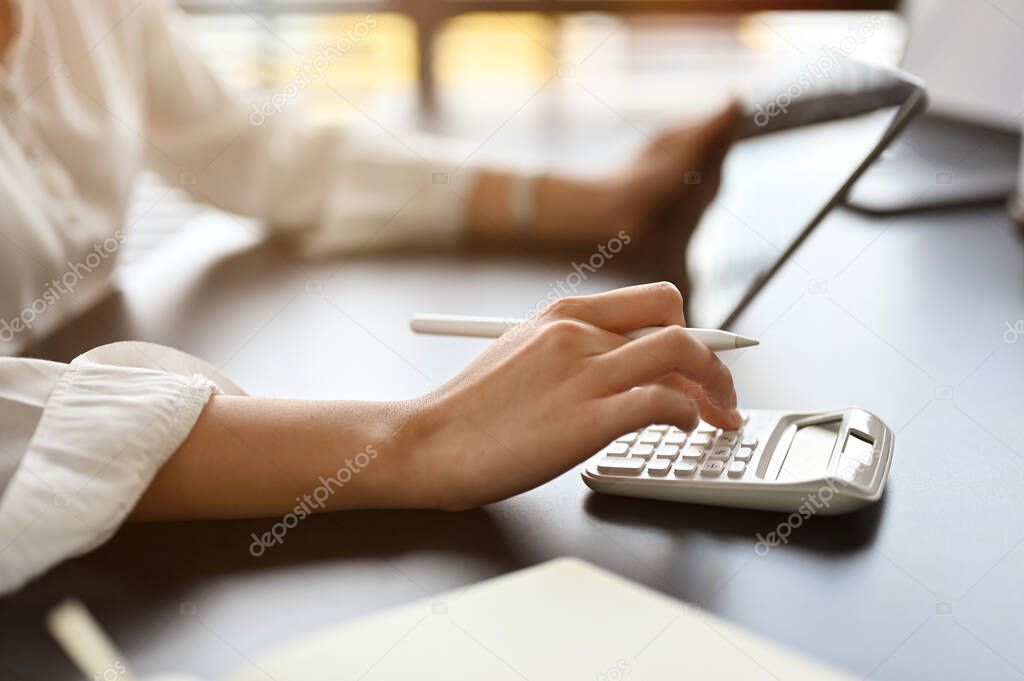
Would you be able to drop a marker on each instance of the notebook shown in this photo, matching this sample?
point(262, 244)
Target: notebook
point(565, 619)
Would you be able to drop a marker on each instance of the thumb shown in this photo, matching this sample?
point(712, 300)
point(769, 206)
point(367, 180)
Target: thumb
point(717, 133)
point(710, 137)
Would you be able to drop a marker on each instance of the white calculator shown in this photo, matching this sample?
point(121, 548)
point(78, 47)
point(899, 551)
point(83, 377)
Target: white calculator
point(828, 462)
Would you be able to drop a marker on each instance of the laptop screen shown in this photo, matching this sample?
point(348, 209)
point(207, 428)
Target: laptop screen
point(775, 188)
point(970, 55)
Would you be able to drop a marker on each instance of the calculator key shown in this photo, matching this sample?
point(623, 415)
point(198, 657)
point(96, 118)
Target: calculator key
point(658, 428)
point(676, 437)
point(650, 438)
point(659, 466)
point(701, 439)
point(720, 453)
point(642, 451)
point(729, 438)
point(614, 465)
point(749, 441)
point(627, 438)
point(617, 449)
point(712, 469)
point(669, 452)
point(693, 453)
point(736, 469)
point(685, 468)
point(744, 454)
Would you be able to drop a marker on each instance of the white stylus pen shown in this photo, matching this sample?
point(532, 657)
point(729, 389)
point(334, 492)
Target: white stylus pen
point(493, 327)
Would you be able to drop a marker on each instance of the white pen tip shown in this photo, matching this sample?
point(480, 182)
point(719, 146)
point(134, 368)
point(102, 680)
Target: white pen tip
point(744, 342)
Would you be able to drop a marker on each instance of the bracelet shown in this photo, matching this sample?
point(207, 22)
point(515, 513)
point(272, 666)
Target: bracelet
point(522, 203)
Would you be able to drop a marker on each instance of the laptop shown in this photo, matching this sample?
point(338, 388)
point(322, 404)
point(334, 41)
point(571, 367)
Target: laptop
point(965, 148)
point(804, 143)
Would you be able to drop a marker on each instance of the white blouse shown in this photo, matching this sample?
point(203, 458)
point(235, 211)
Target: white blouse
point(91, 92)
point(81, 443)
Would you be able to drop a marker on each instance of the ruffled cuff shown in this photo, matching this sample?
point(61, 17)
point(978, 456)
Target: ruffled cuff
point(104, 433)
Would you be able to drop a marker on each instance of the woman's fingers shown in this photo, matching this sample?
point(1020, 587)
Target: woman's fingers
point(569, 338)
point(720, 130)
point(710, 139)
point(715, 138)
point(625, 309)
point(649, 359)
point(695, 378)
point(712, 413)
point(656, 403)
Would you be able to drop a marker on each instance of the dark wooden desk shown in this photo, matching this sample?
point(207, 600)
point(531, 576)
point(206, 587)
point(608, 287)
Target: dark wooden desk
point(910, 324)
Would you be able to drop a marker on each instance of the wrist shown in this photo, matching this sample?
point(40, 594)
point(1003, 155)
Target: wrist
point(572, 210)
point(374, 469)
point(423, 454)
point(567, 210)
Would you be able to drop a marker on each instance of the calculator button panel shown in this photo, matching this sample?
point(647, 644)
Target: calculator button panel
point(619, 466)
point(686, 468)
point(712, 468)
point(643, 451)
point(742, 468)
point(617, 449)
point(667, 452)
point(659, 467)
point(676, 437)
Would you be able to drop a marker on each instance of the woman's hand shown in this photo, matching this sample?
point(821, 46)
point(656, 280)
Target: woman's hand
point(663, 193)
point(552, 393)
point(535, 403)
point(657, 198)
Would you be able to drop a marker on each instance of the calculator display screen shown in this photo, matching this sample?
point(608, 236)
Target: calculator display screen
point(809, 452)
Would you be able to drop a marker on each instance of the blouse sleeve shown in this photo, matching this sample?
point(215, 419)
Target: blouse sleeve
point(336, 190)
point(80, 443)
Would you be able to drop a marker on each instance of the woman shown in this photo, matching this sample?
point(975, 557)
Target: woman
point(92, 92)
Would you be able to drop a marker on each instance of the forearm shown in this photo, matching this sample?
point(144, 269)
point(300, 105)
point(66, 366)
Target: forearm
point(254, 457)
point(483, 436)
point(569, 210)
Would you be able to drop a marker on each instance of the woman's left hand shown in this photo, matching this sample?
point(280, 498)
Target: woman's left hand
point(663, 193)
point(657, 198)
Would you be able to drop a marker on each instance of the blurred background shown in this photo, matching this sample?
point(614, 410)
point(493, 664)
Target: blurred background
point(574, 84)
